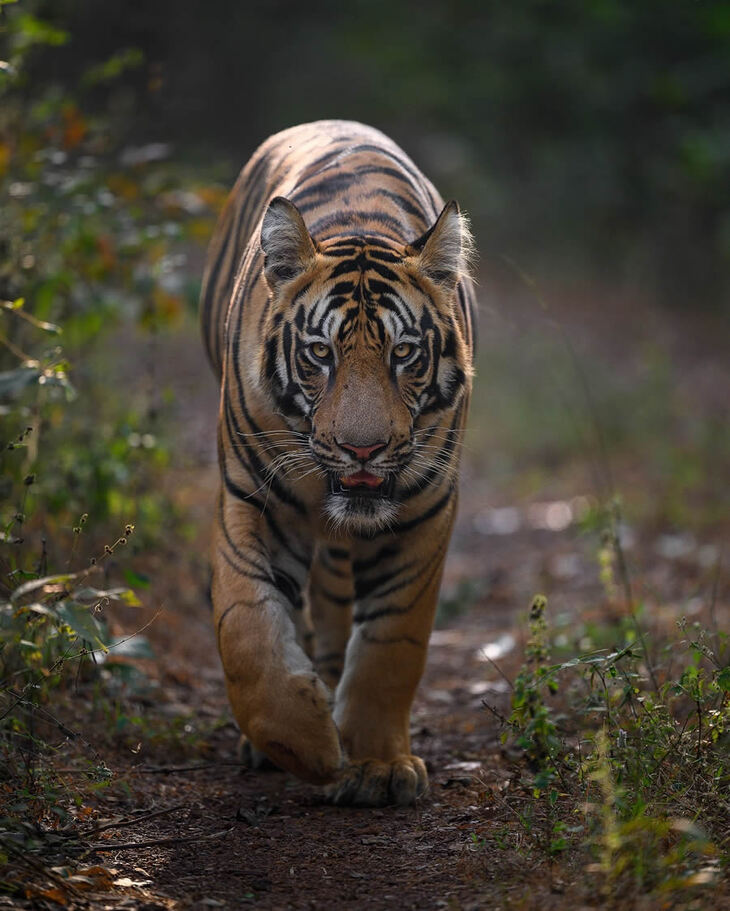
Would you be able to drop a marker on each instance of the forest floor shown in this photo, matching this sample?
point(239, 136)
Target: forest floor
point(184, 826)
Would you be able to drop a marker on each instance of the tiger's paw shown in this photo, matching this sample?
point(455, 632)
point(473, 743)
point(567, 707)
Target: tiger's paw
point(375, 783)
point(295, 730)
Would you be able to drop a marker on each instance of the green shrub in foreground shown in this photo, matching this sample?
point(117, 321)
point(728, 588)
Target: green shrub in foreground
point(636, 774)
point(90, 243)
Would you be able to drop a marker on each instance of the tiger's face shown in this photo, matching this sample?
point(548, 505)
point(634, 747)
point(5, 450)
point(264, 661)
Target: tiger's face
point(364, 355)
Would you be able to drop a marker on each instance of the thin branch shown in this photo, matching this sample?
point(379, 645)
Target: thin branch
point(143, 817)
point(498, 669)
point(497, 714)
point(171, 769)
point(131, 845)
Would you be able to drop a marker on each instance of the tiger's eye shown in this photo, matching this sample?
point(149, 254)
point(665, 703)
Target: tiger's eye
point(321, 351)
point(403, 350)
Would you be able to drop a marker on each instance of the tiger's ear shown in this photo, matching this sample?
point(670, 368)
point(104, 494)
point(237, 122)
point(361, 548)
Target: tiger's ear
point(288, 247)
point(442, 253)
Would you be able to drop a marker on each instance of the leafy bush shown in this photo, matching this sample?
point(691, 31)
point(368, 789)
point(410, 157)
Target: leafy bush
point(91, 246)
point(92, 239)
point(628, 758)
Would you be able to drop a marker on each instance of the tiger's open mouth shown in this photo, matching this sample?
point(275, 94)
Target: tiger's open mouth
point(362, 484)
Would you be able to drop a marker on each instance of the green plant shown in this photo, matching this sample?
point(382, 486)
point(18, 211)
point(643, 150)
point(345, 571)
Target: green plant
point(635, 768)
point(91, 243)
point(531, 717)
point(89, 246)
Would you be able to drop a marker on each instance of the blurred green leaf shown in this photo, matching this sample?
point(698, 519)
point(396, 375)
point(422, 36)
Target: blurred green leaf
point(723, 679)
point(81, 621)
point(136, 580)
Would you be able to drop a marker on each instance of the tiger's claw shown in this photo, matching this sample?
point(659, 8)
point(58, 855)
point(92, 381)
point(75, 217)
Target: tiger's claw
point(376, 783)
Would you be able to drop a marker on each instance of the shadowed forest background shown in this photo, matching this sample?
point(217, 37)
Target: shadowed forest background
point(589, 142)
point(591, 137)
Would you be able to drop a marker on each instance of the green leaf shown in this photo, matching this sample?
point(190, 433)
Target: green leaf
point(125, 595)
point(129, 58)
point(42, 609)
point(81, 621)
point(59, 380)
point(128, 597)
point(723, 679)
point(136, 580)
point(35, 31)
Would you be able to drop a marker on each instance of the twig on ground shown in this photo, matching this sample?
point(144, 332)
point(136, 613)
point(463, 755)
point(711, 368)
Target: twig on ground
point(172, 769)
point(131, 845)
point(142, 817)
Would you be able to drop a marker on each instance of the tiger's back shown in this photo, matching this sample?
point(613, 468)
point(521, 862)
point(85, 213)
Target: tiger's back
point(337, 312)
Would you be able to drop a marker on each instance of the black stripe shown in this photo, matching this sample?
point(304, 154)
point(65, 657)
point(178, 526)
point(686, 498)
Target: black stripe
point(289, 587)
point(418, 179)
point(261, 573)
point(393, 610)
point(384, 553)
point(345, 219)
point(225, 613)
point(281, 491)
point(242, 572)
point(391, 640)
point(401, 201)
point(241, 494)
point(338, 553)
point(340, 600)
point(365, 587)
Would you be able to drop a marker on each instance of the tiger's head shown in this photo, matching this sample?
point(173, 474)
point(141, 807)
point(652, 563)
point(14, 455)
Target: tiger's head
point(363, 353)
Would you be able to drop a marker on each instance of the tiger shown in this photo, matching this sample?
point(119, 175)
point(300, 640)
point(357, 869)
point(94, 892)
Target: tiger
point(338, 313)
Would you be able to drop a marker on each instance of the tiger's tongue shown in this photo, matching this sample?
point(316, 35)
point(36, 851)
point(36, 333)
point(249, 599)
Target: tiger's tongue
point(361, 477)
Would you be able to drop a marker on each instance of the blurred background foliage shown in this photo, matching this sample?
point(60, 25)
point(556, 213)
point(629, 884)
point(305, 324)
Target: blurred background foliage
point(93, 239)
point(581, 135)
point(91, 235)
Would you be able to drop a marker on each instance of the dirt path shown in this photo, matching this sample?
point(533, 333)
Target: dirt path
point(265, 840)
point(283, 847)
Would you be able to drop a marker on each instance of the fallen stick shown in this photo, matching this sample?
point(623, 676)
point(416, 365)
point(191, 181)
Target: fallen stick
point(130, 822)
point(170, 769)
point(131, 845)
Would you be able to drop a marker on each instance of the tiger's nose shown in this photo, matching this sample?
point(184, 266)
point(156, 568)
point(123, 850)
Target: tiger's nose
point(362, 452)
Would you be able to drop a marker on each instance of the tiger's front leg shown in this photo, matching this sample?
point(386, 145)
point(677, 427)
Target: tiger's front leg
point(278, 700)
point(385, 659)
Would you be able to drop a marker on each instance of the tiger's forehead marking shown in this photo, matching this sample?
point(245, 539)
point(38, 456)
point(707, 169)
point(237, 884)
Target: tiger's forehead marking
point(364, 303)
